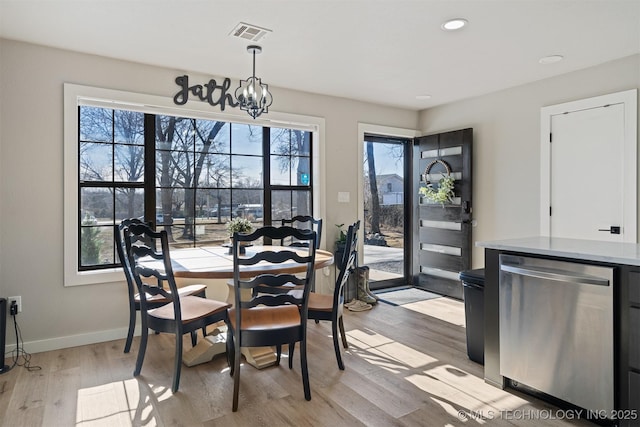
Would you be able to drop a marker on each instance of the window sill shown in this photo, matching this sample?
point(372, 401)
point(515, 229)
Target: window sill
point(79, 278)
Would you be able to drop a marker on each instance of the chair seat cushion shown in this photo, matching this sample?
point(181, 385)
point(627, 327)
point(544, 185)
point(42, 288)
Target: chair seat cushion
point(320, 302)
point(191, 309)
point(267, 318)
point(183, 291)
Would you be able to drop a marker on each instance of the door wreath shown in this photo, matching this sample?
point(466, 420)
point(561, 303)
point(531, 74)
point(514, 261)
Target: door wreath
point(444, 193)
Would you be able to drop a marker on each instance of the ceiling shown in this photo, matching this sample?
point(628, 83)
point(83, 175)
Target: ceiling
point(381, 51)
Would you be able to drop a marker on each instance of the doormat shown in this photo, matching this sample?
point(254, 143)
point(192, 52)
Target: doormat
point(405, 296)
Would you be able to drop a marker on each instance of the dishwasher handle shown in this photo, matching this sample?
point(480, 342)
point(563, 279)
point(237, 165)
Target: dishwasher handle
point(557, 275)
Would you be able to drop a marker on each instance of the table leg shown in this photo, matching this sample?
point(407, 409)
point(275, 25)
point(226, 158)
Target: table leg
point(259, 357)
point(205, 350)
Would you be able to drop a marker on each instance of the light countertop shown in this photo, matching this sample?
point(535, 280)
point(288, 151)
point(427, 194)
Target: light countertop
point(589, 250)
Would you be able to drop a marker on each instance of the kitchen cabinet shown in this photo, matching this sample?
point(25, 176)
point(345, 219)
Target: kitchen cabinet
point(624, 260)
point(634, 343)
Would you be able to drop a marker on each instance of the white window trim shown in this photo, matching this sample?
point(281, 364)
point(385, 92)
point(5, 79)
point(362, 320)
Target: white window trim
point(75, 95)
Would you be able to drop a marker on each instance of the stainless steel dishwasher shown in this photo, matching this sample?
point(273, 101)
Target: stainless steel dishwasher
point(556, 329)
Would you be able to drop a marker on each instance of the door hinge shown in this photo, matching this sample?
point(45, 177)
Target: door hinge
point(550, 137)
point(549, 210)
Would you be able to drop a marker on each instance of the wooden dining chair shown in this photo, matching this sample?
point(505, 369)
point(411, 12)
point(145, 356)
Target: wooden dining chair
point(303, 222)
point(270, 309)
point(134, 296)
point(329, 307)
point(153, 274)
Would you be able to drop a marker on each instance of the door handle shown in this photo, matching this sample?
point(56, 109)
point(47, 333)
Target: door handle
point(555, 274)
point(614, 229)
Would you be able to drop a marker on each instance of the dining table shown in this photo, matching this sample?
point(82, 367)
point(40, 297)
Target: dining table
point(216, 262)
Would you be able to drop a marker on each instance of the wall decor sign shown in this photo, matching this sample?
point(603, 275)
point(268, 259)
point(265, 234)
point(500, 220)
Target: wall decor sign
point(211, 92)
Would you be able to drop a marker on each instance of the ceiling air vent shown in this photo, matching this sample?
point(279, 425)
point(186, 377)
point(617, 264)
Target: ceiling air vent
point(249, 32)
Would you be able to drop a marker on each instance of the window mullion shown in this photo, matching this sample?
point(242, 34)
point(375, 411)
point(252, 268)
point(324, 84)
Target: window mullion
point(150, 167)
point(266, 175)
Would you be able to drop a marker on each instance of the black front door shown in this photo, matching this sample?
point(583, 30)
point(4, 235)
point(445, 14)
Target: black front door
point(442, 230)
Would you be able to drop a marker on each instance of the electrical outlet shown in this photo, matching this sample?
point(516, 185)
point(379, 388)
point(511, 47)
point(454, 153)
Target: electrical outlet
point(18, 301)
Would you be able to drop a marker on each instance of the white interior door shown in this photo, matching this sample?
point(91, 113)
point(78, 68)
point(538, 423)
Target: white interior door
point(591, 171)
point(586, 174)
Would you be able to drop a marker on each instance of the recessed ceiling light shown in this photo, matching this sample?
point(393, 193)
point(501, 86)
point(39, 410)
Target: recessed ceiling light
point(551, 59)
point(454, 24)
point(423, 97)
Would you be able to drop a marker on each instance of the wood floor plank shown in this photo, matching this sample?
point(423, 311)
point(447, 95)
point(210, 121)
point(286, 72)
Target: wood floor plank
point(7, 386)
point(27, 400)
point(405, 366)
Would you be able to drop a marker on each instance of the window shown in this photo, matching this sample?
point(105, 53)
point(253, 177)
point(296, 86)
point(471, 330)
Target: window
point(290, 173)
point(111, 179)
point(189, 174)
point(205, 173)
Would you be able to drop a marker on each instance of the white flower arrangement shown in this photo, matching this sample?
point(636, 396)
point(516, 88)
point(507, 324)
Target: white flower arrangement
point(241, 225)
point(444, 193)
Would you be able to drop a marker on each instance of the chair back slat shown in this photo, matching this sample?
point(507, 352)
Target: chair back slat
point(122, 251)
point(275, 281)
point(274, 257)
point(303, 222)
point(271, 300)
point(272, 290)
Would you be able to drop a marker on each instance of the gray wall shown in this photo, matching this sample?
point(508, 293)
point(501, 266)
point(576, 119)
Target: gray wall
point(506, 169)
point(31, 181)
point(506, 138)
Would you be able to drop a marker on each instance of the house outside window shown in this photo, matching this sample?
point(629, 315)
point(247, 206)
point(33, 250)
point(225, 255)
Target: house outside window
point(391, 186)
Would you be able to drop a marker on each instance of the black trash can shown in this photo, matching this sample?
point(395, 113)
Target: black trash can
point(473, 291)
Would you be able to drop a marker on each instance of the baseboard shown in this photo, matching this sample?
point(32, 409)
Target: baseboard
point(58, 343)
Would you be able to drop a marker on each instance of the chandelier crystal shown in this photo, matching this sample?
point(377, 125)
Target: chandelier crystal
point(253, 96)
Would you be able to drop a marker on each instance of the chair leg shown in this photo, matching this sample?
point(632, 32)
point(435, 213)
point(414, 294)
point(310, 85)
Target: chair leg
point(236, 375)
point(345, 344)
point(177, 365)
point(336, 344)
point(278, 354)
point(203, 294)
point(194, 338)
point(142, 349)
point(230, 351)
point(292, 347)
point(305, 370)
point(132, 326)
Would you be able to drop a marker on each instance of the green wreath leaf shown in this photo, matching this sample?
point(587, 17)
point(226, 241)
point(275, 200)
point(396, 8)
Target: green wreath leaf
point(444, 193)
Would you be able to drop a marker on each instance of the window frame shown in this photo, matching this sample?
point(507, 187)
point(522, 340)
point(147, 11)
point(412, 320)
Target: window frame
point(76, 95)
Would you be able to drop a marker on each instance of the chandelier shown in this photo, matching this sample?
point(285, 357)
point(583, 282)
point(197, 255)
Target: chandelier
point(253, 96)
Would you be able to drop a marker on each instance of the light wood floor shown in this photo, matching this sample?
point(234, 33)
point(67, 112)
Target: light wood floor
point(406, 366)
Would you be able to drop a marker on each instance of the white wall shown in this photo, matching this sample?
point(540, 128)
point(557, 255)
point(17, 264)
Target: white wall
point(506, 143)
point(31, 181)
